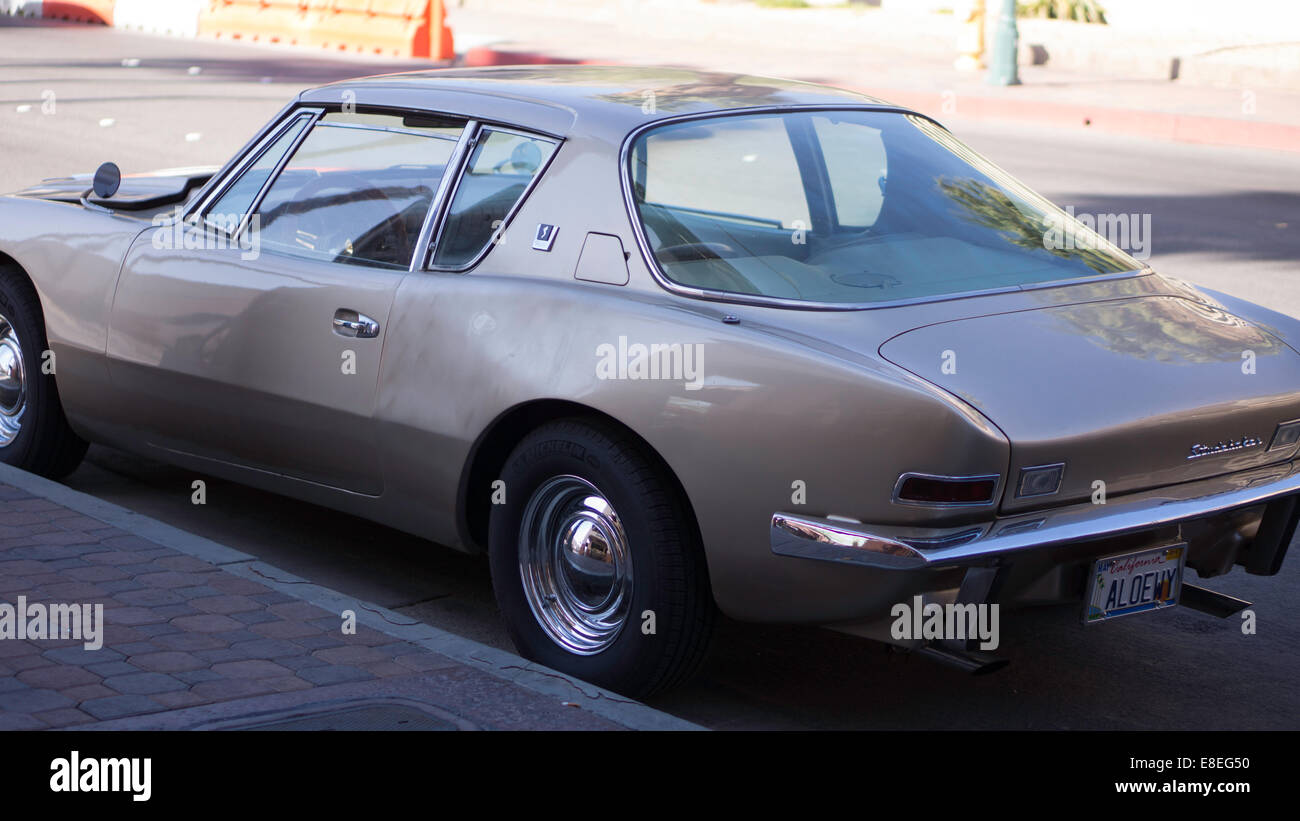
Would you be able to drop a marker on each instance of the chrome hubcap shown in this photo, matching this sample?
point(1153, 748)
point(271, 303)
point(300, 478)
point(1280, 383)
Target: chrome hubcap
point(13, 384)
point(575, 565)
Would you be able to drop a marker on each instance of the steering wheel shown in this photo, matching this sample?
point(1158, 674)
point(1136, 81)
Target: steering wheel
point(688, 251)
point(383, 238)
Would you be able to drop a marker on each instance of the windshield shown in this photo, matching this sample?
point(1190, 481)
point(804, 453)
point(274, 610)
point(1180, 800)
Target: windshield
point(847, 207)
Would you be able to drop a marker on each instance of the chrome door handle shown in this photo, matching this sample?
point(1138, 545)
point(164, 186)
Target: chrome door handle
point(351, 323)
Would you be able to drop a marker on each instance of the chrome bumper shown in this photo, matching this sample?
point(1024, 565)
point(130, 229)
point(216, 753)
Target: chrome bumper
point(911, 548)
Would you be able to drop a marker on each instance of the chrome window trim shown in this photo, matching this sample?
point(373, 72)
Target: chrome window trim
point(665, 282)
point(275, 172)
point(521, 132)
point(408, 131)
point(993, 496)
point(441, 224)
point(258, 147)
point(441, 197)
point(316, 114)
point(236, 161)
point(421, 258)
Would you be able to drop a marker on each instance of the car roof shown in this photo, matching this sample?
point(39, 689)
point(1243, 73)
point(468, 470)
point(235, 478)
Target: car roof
point(608, 101)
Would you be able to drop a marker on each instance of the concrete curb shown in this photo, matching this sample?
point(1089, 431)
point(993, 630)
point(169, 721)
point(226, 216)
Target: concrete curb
point(499, 663)
point(1161, 125)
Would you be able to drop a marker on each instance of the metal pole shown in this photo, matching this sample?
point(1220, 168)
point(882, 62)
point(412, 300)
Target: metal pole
point(1006, 41)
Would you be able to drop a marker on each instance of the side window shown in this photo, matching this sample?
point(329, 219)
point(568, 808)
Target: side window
point(358, 188)
point(853, 151)
point(228, 211)
point(499, 170)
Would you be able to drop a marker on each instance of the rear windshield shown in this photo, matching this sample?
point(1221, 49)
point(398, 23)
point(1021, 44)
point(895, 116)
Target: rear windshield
point(847, 207)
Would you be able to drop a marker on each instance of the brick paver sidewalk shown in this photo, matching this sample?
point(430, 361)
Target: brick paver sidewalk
point(180, 633)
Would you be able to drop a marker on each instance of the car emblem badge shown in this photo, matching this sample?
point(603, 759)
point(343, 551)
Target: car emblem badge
point(1245, 442)
point(545, 237)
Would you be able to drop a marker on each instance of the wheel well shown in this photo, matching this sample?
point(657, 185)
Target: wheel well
point(488, 456)
point(7, 261)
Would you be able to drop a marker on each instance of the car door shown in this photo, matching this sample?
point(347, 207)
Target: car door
point(252, 333)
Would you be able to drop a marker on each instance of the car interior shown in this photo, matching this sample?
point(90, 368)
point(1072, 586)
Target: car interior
point(480, 206)
point(722, 254)
point(348, 217)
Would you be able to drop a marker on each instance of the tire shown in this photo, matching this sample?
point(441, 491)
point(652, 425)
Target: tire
point(34, 433)
point(635, 550)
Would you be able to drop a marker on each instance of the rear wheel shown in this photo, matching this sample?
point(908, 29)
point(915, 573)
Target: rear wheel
point(596, 564)
point(34, 433)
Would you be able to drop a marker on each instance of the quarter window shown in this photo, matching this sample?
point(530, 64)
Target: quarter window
point(499, 170)
point(358, 188)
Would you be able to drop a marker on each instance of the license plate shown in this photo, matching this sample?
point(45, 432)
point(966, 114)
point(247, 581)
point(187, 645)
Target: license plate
point(1135, 582)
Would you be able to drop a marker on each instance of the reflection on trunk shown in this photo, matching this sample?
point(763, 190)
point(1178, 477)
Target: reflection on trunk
point(1175, 331)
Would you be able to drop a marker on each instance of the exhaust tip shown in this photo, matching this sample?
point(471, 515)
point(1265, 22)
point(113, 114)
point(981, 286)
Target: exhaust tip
point(1210, 601)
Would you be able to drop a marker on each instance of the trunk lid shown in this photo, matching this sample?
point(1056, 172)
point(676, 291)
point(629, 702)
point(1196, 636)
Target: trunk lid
point(1122, 391)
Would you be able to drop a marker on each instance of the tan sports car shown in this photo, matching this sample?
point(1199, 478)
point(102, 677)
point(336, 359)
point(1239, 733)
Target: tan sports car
point(662, 343)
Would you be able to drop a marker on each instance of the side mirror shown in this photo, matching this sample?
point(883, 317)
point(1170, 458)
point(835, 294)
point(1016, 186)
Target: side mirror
point(107, 179)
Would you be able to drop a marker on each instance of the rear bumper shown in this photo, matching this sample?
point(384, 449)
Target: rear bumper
point(1007, 540)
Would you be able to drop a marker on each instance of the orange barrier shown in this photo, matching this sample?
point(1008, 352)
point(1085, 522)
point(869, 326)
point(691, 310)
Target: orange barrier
point(271, 21)
point(397, 28)
point(441, 44)
point(84, 11)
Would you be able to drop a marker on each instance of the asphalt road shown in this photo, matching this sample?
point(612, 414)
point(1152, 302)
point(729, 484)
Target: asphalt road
point(1224, 218)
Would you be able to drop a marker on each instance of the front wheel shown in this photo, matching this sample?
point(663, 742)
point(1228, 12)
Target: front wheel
point(34, 434)
point(596, 562)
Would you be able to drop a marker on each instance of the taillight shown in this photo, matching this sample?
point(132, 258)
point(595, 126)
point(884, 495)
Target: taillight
point(923, 489)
